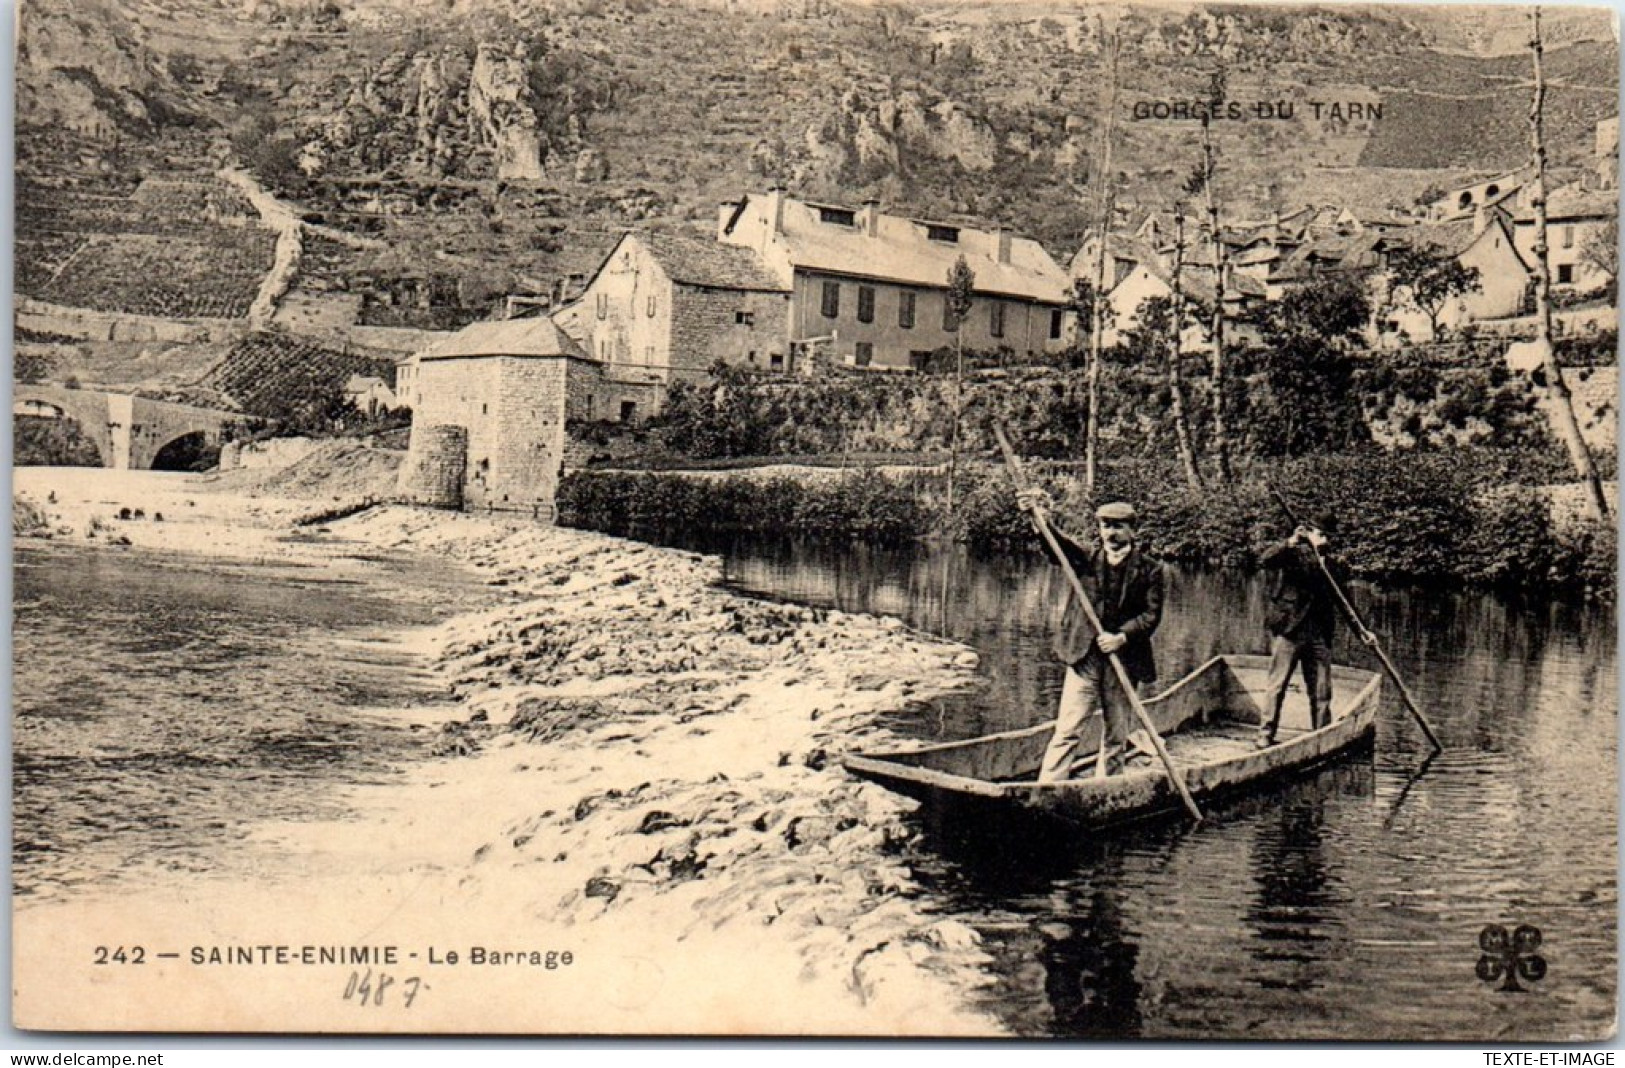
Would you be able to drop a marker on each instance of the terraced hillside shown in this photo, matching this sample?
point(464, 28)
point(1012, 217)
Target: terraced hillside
point(275, 375)
point(173, 247)
point(504, 144)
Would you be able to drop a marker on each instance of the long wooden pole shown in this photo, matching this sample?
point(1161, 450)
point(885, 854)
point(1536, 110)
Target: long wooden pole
point(1365, 634)
point(1042, 523)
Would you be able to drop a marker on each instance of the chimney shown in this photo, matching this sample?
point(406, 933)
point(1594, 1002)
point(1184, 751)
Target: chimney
point(869, 218)
point(1002, 236)
point(775, 209)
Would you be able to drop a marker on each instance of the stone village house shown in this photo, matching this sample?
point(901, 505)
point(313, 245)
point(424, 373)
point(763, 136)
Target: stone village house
point(670, 306)
point(490, 407)
point(868, 289)
point(781, 280)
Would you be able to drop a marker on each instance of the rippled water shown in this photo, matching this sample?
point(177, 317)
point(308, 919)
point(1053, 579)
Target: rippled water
point(1346, 905)
point(160, 705)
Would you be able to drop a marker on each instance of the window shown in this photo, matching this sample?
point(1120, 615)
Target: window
point(949, 323)
point(838, 216)
point(651, 305)
point(603, 349)
point(995, 319)
point(919, 359)
point(1055, 320)
point(751, 356)
point(865, 354)
point(628, 410)
point(1568, 237)
point(775, 361)
point(648, 355)
point(744, 318)
point(950, 234)
point(866, 304)
point(831, 306)
point(603, 305)
point(1565, 274)
point(905, 311)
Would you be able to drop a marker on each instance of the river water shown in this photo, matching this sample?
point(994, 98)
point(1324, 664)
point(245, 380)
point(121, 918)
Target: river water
point(161, 708)
point(1347, 905)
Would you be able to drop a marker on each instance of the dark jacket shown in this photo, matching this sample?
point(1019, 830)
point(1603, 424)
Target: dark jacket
point(1129, 603)
point(1301, 607)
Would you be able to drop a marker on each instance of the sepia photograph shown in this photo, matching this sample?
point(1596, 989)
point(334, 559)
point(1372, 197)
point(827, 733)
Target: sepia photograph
point(855, 518)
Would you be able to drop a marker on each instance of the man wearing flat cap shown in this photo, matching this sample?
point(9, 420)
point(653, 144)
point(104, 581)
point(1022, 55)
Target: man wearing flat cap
point(1127, 589)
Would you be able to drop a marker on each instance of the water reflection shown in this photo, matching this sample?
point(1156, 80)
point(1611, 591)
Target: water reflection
point(1344, 905)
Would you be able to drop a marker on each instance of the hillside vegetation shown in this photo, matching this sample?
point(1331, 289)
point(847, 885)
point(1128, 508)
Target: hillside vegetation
point(497, 144)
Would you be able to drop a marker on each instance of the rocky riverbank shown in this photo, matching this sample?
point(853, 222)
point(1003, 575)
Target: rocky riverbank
point(643, 772)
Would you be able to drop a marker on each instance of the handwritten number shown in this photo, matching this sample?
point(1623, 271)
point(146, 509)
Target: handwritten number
point(365, 990)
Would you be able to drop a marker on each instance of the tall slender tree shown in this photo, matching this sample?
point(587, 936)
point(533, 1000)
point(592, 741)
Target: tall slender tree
point(1105, 199)
point(1560, 404)
point(1202, 181)
point(960, 295)
point(1176, 387)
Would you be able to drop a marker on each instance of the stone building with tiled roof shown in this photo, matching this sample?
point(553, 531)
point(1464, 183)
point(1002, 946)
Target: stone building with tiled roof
point(1575, 217)
point(672, 305)
point(1485, 244)
point(869, 288)
point(489, 408)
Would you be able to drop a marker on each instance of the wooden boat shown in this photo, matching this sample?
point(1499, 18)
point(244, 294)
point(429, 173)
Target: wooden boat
point(1209, 721)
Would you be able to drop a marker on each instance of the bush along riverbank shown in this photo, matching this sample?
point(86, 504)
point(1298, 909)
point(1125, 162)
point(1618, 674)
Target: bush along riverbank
point(1466, 517)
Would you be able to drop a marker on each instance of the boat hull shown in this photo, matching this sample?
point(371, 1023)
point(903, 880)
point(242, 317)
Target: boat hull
point(1208, 720)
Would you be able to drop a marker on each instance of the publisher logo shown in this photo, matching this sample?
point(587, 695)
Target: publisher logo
point(1508, 958)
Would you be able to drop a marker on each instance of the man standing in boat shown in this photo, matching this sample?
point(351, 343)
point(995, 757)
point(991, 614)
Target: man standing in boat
point(1302, 621)
point(1127, 589)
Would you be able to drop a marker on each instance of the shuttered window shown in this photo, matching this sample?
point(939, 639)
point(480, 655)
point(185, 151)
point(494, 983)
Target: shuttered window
point(831, 306)
point(905, 311)
point(866, 304)
point(995, 321)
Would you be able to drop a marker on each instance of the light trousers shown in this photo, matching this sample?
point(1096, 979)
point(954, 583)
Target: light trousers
point(1090, 690)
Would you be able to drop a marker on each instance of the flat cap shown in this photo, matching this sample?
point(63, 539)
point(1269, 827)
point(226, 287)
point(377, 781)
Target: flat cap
point(1121, 511)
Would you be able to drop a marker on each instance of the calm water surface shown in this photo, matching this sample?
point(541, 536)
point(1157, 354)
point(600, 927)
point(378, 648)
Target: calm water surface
point(160, 704)
point(1345, 905)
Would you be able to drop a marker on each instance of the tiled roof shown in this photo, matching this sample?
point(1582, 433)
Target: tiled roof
point(901, 250)
point(1575, 203)
point(510, 337)
point(1450, 238)
point(708, 262)
point(1122, 247)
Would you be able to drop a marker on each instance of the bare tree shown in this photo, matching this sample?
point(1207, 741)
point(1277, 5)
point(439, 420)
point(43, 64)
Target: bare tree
point(1560, 402)
point(1201, 181)
point(960, 295)
point(1176, 387)
point(1104, 205)
point(1600, 250)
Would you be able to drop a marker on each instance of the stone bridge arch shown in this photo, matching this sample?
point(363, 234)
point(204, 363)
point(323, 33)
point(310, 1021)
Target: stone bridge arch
point(88, 412)
point(129, 432)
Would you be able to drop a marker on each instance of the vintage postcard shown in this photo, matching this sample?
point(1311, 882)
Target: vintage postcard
point(816, 517)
